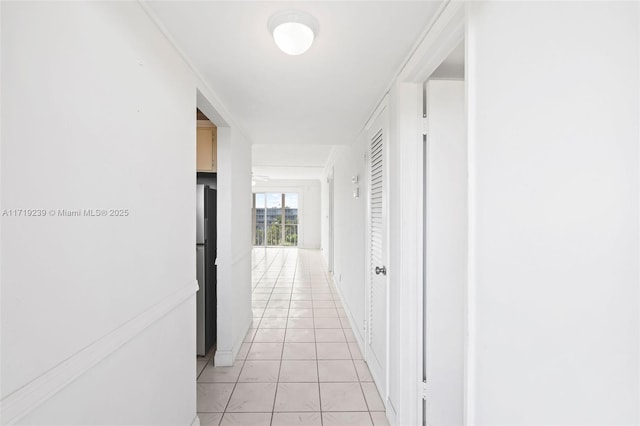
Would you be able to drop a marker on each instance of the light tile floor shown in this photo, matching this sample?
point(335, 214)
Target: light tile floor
point(300, 363)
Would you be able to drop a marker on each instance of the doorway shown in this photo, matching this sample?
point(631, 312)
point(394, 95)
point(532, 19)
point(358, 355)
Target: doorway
point(233, 240)
point(445, 241)
point(206, 235)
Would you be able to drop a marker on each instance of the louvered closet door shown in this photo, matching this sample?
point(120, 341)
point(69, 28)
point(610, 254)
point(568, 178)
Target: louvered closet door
point(378, 289)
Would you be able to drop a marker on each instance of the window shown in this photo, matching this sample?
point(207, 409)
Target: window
point(275, 218)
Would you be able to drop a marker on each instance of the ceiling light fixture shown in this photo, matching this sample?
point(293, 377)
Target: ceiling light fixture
point(293, 31)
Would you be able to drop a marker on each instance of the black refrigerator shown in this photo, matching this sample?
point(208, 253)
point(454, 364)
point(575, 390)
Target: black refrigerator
point(206, 300)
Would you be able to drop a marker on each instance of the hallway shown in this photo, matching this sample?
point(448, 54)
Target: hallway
point(300, 364)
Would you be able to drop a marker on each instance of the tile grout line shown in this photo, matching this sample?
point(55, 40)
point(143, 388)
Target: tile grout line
point(315, 336)
point(275, 398)
point(261, 318)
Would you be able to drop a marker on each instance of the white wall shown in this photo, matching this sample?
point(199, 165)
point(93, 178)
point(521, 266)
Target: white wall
point(311, 216)
point(308, 204)
point(234, 244)
point(324, 211)
point(349, 233)
point(553, 109)
point(130, 386)
point(97, 113)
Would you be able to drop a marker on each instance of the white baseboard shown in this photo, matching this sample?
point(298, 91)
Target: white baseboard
point(391, 413)
point(352, 320)
point(196, 421)
point(18, 404)
point(226, 358)
point(223, 358)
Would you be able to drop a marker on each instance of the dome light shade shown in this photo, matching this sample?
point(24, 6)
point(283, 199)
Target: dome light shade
point(293, 38)
point(293, 31)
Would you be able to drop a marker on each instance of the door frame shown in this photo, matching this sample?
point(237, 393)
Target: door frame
point(234, 256)
point(443, 35)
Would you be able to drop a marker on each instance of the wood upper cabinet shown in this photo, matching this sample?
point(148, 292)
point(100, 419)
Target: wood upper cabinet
point(207, 150)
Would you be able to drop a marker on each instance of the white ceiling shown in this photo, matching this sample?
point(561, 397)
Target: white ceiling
point(292, 161)
point(269, 173)
point(291, 155)
point(322, 97)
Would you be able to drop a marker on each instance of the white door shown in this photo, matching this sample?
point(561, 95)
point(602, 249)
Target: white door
point(445, 254)
point(377, 294)
point(331, 234)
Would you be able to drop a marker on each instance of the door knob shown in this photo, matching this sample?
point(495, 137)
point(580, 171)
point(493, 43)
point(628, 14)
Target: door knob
point(380, 270)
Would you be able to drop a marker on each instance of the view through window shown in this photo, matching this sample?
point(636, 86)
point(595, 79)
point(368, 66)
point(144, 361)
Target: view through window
point(275, 219)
